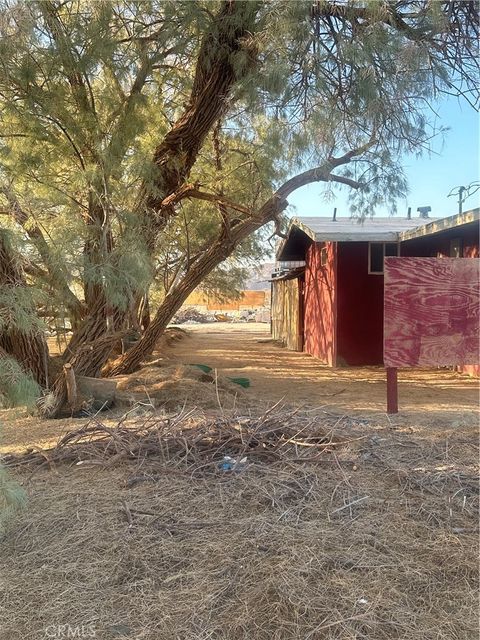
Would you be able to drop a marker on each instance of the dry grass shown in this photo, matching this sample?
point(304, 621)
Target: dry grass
point(376, 539)
point(172, 386)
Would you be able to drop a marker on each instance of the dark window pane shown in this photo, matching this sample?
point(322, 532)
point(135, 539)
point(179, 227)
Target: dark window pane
point(391, 249)
point(376, 257)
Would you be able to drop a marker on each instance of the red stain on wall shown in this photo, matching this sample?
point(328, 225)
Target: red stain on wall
point(360, 307)
point(320, 303)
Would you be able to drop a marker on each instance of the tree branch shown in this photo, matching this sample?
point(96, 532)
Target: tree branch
point(192, 191)
point(215, 76)
point(55, 273)
point(74, 75)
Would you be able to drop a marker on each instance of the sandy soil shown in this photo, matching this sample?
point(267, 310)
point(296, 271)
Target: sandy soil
point(279, 374)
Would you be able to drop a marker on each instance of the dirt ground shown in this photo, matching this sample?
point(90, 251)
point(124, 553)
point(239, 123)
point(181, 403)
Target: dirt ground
point(442, 398)
point(376, 538)
point(279, 374)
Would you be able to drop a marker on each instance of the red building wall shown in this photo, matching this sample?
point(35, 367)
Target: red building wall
point(343, 303)
point(359, 307)
point(320, 303)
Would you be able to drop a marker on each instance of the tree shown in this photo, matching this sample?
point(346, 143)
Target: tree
point(127, 126)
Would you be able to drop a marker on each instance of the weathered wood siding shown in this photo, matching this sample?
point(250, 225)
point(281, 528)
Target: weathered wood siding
point(320, 303)
point(286, 313)
point(432, 312)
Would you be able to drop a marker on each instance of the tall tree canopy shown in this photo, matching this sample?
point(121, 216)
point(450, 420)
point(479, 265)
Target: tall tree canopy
point(143, 144)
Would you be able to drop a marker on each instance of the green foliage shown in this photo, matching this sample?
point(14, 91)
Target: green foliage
point(82, 114)
point(18, 309)
point(17, 388)
point(12, 498)
point(18, 302)
point(125, 271)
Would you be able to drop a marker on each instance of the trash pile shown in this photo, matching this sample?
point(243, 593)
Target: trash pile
point(193, 315)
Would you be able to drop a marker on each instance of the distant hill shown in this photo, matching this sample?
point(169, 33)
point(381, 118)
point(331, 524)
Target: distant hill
point(259, 277)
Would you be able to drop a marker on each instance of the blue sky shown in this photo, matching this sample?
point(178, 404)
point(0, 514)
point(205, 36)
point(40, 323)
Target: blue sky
point(456, 162)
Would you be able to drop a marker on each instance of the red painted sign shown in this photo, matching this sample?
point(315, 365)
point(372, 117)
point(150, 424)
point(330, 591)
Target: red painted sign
point(431, 312)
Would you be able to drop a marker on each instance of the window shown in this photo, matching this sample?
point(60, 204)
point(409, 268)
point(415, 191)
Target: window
point(323, 256)
point(456, 248)
point(377, 251)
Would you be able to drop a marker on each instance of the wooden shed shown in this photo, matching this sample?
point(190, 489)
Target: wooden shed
point(334, 311)
point(287, 308)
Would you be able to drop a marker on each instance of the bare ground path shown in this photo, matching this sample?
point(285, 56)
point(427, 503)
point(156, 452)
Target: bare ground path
point(276, 374)
point(439, 398)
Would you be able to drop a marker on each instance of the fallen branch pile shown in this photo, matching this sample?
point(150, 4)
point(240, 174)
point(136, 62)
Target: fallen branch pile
point(191, 441)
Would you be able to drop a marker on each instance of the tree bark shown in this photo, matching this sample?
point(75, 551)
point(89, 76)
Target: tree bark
point(215, 75)
point(170, 305)
point(87, 361)
point(71, 385)
point(174, 299)
point(27, 346)
point(143, 314)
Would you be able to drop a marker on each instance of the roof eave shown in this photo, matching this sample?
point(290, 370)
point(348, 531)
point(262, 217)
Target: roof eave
point(383, 236)
point(294, 222)
point(441, 224)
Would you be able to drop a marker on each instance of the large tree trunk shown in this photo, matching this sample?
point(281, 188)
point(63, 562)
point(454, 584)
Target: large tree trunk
point(170, 305)
point(26, 345)
point(93, 327)
point(30, 350)
point(215, 75)
point(212, 257)
point(217, 70)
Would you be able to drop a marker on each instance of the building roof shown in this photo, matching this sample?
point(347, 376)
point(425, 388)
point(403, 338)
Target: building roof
point(430, 227)
point(352, 230)
point(304, 230)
